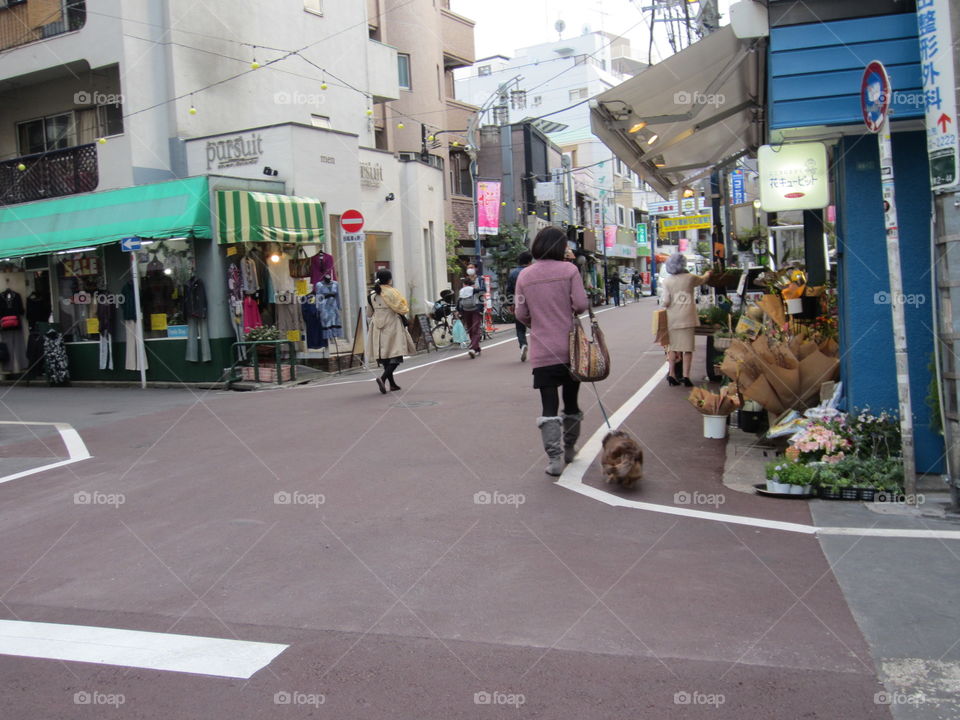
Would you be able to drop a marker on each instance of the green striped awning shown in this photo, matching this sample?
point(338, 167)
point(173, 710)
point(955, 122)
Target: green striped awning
point(244, 216)
point(160, 210)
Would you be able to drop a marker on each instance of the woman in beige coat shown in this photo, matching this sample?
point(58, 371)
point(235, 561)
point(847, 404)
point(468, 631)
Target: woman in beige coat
point(388, 339)
point(678, 299)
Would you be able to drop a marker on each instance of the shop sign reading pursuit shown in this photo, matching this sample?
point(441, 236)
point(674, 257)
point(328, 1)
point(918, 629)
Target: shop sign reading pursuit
point(234, 152)
point(793, 177)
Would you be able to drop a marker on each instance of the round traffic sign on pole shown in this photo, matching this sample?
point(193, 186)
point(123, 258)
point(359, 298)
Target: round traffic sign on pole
point(875, 96)
point(351, 221)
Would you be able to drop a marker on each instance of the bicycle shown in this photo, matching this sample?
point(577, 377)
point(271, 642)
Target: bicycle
point(441, 327)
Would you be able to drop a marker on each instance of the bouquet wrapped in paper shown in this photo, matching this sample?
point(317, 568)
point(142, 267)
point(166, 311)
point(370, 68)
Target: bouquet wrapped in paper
point(709, 403)
point(781, 374)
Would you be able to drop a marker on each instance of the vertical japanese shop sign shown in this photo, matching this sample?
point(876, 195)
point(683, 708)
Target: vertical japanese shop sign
point(936, 70)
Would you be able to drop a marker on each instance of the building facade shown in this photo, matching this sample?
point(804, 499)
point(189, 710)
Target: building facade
point(101, 97)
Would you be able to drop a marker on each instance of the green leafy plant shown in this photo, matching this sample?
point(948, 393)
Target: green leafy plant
point(262, 333)
point(504, 249)
point(791, 473)
point(450, 235)
point(747, 236)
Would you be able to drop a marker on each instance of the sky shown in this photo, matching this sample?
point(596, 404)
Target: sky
point(503, 26)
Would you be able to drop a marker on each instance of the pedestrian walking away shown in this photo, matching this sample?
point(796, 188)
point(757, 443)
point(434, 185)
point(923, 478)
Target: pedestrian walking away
point(636, 286)
point(388, 338)
point(549, 293)
point(678, 299)
point(523, 260)
point(470, 308)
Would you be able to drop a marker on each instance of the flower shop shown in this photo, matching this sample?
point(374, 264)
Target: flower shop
point(775, 351)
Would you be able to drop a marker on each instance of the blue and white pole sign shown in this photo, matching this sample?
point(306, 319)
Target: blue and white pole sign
point(939, 91)
point(130, 244)
point(738, 191)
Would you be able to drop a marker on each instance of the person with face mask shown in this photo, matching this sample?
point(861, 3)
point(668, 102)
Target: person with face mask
point(470, 308)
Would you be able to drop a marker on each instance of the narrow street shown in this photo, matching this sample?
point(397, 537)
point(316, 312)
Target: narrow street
point(412, 555)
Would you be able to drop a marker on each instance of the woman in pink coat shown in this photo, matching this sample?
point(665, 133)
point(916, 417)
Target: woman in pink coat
point(549, 293)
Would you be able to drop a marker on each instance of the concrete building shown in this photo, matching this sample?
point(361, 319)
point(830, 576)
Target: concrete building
point(101, 95)
point(427, 119)
point(548, 81)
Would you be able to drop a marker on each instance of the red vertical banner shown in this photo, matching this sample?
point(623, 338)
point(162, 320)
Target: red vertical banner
point(488, 207)
point(609, 236)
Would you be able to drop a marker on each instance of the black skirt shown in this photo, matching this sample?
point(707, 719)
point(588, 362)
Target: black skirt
point(552, 376)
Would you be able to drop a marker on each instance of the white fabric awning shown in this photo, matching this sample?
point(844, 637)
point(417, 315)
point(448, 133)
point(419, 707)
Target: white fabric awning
point(696, 110)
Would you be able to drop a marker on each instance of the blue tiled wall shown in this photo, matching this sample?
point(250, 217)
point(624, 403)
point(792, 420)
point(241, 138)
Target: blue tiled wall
point(815, 69)
point(866, 343)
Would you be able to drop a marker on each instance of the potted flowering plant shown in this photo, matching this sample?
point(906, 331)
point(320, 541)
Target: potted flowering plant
point(790, 478)
point(264, 333)
point(825, 440)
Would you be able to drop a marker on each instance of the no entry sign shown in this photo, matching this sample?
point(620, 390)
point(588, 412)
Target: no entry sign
point(351, 221)
point(874, 96)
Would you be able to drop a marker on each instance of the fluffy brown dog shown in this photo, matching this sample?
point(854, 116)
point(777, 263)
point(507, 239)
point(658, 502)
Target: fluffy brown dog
point(622, 459)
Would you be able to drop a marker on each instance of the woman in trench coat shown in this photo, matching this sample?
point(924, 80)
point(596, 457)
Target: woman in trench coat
point(388, 339)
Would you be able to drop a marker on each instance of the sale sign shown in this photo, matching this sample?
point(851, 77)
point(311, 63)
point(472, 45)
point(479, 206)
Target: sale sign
point(488, 207)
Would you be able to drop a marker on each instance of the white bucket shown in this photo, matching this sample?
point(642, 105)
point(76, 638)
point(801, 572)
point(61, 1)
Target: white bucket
point(794, 306)
point(715, 426)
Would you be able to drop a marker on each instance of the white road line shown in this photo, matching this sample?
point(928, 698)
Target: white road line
point(134, 648)
point(572, 479)
point(74, 444)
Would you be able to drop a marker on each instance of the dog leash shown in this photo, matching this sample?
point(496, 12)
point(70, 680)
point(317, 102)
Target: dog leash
point(602, 409)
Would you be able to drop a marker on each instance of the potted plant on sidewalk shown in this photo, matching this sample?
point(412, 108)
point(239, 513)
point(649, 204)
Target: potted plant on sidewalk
point(790, 478)
point(265, 333)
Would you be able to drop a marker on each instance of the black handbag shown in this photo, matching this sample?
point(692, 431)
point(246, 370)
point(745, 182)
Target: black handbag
point(4, 352)
point(404, 320)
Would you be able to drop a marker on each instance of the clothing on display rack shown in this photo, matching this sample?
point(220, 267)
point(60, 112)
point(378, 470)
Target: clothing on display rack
point(38, 309)
point(12, 331)
point(55, 365)
point(311, 318)
point(289, 317)
point(280, 275)
point(327, 292)
point(251, 314)
point(322, 265)
point(106, 313)
point(195, 308)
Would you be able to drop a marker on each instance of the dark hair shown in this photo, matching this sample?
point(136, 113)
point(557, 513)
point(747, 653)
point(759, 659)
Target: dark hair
point(525, 258)
point(384, 277)
point(549, 244)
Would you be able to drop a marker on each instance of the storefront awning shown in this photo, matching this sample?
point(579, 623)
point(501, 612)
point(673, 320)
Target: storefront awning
point(263, 217)
point(167, 209)
point(696, 110)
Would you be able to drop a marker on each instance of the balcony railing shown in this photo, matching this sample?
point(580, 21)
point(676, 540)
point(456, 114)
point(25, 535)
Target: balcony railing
point(50, 174)
point(21, 23)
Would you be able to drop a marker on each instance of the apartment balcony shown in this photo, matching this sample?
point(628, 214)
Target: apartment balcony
point(51, 174)
point(24, 22)
point(383, 77)
point(456, 34)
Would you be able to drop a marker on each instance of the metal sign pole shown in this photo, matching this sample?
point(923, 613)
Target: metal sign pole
point(896, 307)
point(362, 296)
point(141, 351)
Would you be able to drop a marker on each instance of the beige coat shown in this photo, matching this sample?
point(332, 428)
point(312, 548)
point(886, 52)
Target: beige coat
point(679, 301)
point(388, 338)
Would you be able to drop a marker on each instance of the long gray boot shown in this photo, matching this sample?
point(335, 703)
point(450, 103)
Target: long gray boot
point(551, 430)
point(571, 433)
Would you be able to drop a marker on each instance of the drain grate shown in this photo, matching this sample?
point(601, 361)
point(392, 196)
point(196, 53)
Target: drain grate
point(415, 404)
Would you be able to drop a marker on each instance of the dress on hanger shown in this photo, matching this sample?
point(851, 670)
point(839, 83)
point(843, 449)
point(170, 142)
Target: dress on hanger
point(328, 298)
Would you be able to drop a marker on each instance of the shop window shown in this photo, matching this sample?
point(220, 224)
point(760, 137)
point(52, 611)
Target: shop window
point(81, 281)
point(403, 68)
point(165, 269)
point(53, 132)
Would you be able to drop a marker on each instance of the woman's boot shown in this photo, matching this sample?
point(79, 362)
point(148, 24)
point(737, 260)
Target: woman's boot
point(571, 433)
point(551, 430)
